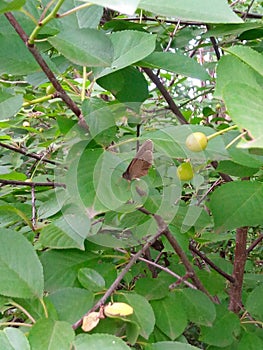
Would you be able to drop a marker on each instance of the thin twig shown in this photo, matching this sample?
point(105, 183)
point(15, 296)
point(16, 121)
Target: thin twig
point(33, 200)
point(250, 15)
point(18, 306)
point(195, 97)
point(117, 281)
point(32, 184)
point(215, 47)
point(13, 81)
point(15, 324)
point(210, 263)
point(31, 155)
point(168, 98)
point(160, 20)
point(42, 63)
point(160, 267)
point(172, 36)
point(173, 242)
point(208, 191)
point(244, 17)
point(171, 239)
point(255, 243)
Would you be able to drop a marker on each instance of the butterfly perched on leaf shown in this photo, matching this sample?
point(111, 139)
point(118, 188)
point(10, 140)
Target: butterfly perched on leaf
point(141, 163)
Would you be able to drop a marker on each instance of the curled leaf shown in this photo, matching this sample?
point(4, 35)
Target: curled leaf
point(118, 310)
point(90, 321)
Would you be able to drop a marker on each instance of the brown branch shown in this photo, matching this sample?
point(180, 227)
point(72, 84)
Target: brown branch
point(168, 98)
point(117, 281)
point(32, 184)
point(210, 263)
point(249, 15)
point(215, 47)
point(244, 17)
point(160, 20)
point(235, 292)
point(255, 243)
point(171, 239)
point(42, 63)
point(160, 267)
point(31, 155)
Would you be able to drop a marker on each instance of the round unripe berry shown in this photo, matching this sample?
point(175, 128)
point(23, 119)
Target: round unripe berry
point(185, 171)
point(26, 124)
point(196, 142)
point(50, 90)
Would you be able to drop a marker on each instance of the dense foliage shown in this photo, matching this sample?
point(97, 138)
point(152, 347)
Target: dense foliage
point(82, 87)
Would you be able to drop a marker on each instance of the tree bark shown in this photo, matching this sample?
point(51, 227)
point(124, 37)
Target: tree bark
point(235, 294)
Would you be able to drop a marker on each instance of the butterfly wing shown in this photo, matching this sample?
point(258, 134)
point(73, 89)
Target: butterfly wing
point(141, 163)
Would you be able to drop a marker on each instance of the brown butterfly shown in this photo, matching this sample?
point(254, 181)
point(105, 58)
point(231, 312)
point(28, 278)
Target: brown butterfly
point(141, 163)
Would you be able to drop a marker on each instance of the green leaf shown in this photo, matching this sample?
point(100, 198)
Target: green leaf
point(244, 104)
point(176, 63)
point(171, 345)
point(230, 29)
point(237, 204)
point(143, 313)
point(70, 231)
point(170, 316)
point(243, 157)
point(118, 5)
point(13, 339)
point(127, 85)
point(231, 69)
point(250, 341)
point(212, 281)
point(225, 328)
point(151, 288)
point(13, 176)
point(190, 10)
point(9, 103)
point(50, 334)
point(71, 303)
point(99, 341)
point(198, 307)
point(249, 56)
point(101, 120)
point(170, 141)
point(10, 213)
point(99, 186)
point(106, 270)
point(91, 279)
point(15, 57)
point(235, 169)
point(86, 47)
point(66, 263)
point(254, 303)
point(21, 271)
point(51, 205)
point(79, 178)
point(129, 47)
point(35, 307)
point(11, 5)
point(89, 17)
point(186, 217)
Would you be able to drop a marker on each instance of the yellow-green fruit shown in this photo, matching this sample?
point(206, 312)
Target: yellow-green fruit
point(185, 171)
point(50, 90)
point(196, 142)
